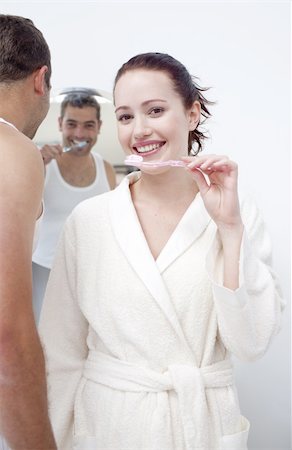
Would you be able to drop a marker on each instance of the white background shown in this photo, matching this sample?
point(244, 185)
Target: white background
point(241, 50)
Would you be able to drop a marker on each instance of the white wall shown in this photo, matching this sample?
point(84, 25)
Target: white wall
point(242, 50)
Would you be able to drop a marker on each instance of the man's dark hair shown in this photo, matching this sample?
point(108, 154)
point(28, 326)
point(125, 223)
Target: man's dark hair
point(23, 49)
point(79, 100)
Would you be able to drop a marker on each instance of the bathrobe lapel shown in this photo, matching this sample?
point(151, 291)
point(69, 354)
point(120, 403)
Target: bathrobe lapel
point(191, 226)
point(130, 236)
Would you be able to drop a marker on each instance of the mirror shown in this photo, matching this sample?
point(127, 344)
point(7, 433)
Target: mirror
point(107, 144)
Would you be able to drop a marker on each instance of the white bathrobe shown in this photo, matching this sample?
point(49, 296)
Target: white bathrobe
point(138, 350)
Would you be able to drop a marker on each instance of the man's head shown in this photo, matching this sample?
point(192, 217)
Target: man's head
point(80, 121)
point(25, 64)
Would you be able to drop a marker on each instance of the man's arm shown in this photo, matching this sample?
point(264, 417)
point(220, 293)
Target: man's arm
point(111, 174)
point(24, 418)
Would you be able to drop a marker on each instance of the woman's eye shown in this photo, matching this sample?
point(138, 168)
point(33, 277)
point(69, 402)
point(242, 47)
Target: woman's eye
point(156, 111)
point(124, 118)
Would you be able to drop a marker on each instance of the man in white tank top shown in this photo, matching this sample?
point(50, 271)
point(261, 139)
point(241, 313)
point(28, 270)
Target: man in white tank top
point(71, 177)
point(25, 70)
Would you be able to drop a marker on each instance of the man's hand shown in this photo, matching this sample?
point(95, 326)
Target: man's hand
point(50, 152)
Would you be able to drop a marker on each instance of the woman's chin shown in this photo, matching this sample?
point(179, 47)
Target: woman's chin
point(155, 170)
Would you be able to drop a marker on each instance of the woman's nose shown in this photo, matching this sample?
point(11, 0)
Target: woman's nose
point(141, 129)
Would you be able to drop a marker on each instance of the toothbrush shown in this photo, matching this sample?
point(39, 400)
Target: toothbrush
point(137, 161)
point(77, 146)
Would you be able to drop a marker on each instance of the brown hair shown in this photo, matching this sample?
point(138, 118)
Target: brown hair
point(184, 84)
point(23, 49)
point(80, 100)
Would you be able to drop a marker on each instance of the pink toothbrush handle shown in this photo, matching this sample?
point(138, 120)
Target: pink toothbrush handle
point(171, 162)
point(175, 163)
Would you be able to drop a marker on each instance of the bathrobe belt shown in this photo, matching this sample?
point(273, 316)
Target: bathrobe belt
point(189, 383)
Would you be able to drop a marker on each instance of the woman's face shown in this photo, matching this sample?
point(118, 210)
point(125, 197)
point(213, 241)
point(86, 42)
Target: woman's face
point(152, 120)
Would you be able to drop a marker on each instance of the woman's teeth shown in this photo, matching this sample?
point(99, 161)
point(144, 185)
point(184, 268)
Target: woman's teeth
point(148, 148)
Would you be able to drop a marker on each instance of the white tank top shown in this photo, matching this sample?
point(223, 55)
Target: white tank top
point(38, 221)
point(60, 198)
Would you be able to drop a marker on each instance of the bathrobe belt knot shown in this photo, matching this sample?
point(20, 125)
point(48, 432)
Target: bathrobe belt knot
point(189, 383)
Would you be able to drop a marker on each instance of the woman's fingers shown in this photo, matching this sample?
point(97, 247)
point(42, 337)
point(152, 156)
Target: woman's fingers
point(211, 163)
point(200, 180)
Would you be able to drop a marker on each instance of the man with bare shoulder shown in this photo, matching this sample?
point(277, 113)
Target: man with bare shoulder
point(74, 172)
point(25, 71)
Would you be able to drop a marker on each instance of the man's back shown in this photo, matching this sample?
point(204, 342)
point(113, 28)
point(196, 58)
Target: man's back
point(24, 102)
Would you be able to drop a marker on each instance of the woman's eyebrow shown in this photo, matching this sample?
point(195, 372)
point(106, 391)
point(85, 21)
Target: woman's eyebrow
point(143, 104)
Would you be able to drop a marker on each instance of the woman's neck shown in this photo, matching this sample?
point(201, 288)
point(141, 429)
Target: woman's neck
point(170, 187)
point(160, 202)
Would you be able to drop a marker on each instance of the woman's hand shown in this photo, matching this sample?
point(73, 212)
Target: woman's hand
point(216, 177)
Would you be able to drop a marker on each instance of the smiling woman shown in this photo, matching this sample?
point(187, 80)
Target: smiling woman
point(156, 284)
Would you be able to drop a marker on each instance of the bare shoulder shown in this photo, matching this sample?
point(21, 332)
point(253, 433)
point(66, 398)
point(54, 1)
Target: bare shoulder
point(21, 185)
point(111, 174)
point(22, 172)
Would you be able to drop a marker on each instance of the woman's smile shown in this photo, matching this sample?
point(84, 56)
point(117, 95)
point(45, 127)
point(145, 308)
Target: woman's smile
point(147, 148)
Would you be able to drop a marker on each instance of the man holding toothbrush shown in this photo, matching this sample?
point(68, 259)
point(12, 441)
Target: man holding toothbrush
point(73, 173)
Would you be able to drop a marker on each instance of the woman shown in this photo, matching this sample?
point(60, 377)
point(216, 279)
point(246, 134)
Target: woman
point(156, 283)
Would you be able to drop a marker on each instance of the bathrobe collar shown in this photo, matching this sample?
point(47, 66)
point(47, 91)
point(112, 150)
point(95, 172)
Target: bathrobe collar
point(130, 236)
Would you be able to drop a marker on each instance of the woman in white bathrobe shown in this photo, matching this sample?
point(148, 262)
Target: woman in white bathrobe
point(155, 284)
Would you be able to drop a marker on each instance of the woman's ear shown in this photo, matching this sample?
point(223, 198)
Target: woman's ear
point(194, 115)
